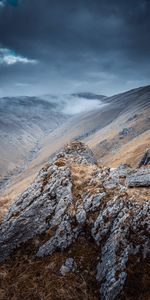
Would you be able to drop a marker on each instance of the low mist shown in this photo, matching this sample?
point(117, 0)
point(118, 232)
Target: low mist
point(72, 104)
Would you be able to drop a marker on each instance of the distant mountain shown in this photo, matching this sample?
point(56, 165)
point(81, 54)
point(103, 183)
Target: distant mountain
point(24, 121)
point(28, 111)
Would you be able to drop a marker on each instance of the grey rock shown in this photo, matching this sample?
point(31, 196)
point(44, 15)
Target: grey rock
point(91, 203)
point(140, 178)
point(81, 215)
point(110, 184)
point(67, 267)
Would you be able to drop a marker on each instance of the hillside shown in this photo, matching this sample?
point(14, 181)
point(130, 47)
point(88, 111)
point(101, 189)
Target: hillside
point(117, 132)
point(123, 122)
point(80, 231)
point(23, 122)
point(128, 135)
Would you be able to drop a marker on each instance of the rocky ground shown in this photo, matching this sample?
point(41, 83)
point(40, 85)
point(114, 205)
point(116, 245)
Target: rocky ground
point(80, 231)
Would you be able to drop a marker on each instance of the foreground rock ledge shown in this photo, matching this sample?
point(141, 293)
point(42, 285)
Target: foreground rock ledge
point(73, 197)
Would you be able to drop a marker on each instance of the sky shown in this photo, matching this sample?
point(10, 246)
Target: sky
point(67, 46)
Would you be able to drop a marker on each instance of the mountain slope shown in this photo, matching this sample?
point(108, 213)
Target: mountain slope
point(116, 132)
point(23, 122)
point(127, 136)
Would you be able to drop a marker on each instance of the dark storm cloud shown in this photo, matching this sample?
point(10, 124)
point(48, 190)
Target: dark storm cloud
point(97, 45)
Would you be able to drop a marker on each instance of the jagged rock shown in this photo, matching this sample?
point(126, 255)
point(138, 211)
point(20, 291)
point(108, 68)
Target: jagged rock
point(140, 178)
point(71, 197)
point(145, 159)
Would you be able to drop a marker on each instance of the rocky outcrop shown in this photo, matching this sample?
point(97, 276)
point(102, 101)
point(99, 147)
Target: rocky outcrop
point(73, 197)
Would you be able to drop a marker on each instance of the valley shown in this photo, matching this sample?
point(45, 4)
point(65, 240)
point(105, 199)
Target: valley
point(117, 132)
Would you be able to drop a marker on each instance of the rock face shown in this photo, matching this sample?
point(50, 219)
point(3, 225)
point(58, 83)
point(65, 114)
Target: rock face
point(74, 197)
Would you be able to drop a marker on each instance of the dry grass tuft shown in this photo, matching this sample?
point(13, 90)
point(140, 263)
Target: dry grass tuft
point(82, 180)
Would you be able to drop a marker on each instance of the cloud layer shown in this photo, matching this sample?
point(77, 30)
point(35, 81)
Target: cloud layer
point(83, 45)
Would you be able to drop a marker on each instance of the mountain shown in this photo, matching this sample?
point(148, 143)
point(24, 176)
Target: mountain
point(23, 123)
point(117, 130)
point(80, 231)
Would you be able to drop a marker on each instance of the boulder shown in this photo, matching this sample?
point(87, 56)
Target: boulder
point(140, 178)
point(67, 267)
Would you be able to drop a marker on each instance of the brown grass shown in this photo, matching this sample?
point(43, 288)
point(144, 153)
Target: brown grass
point(4, 206)
point(130, 153)
point(115, 151)
point(138, 279)
point(81, 180)
point(24, 277)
